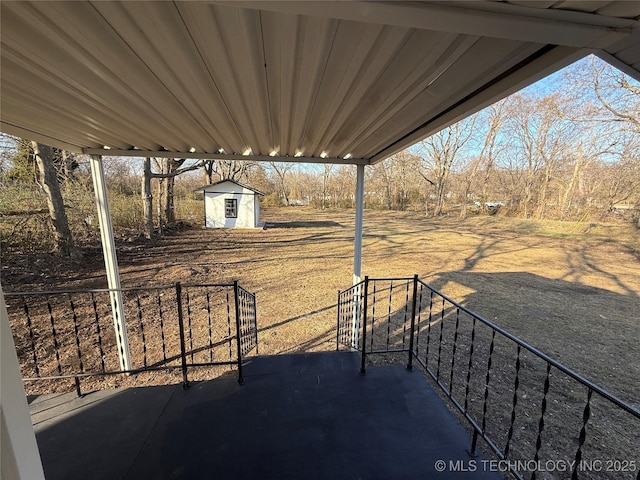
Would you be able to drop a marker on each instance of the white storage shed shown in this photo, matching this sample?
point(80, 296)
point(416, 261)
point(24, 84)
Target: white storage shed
point(229, 204)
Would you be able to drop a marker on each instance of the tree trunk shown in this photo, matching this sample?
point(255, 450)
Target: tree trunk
point(463, 207)
point(169, 206)
point(147, 199)
point(159, 205)
point(440, 192)
point(208, 166)
point(170, 168)
point(526, 201)
point(324, 190)
point(281, 173)
point(542, 197)
point(62, 234)
point(67, 168)
point(325, 181)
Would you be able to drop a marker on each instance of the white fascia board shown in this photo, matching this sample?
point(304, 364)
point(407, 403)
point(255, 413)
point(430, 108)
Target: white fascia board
point(619, 64)
point(221, 156)
point(544, 26)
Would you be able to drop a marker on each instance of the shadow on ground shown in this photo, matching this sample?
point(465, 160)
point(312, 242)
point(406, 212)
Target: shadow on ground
point(303, 224)
point(571, 322)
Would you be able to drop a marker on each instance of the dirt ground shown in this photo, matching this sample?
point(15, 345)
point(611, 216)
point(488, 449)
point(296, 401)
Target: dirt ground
point(571, 290)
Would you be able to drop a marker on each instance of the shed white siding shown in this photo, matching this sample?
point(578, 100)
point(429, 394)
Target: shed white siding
point(246, 201)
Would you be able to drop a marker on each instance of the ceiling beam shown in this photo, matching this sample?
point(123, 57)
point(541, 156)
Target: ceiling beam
point(37, 137)
point(619, 64)
point(544, 26)
point(111, 152)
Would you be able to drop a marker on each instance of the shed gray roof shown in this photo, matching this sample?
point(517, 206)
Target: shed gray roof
point(348, 82)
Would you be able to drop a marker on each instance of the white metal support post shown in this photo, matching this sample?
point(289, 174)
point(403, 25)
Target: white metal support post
point(110, 261)
point(357, 255)
point(357, 251)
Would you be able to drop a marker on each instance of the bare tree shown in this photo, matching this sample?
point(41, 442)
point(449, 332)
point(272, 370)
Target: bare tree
point(281, 171)
point(147, 199)
point(383, 171)
point(7, 152)
point(439, 153)
point(620, 98)
point(393, 183)
point(605, 103)
point(492, 147)
point(57, 213)
point(169, 166)
point(236, 170)
point(341, 186)
point(326, 172)
point(494, 118)
point(542, 133)
point(622, 179)
point(167, 169)
point(468, 178)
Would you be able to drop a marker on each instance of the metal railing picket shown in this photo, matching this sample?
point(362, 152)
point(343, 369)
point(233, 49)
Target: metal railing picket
point(68, 334)
point(183, 353)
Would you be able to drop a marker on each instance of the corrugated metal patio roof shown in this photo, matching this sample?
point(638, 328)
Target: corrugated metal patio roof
point(350, 82)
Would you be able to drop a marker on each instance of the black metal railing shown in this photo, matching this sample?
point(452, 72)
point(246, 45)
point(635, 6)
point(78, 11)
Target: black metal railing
point(71, 334)
point(540, 418)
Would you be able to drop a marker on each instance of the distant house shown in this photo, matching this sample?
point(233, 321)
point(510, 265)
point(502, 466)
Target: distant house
point(229, 204)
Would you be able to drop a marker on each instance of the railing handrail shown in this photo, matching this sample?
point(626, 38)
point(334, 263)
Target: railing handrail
point(394, 279)
point(576, 376)
point(352, 287)
point(107, 290)
point(240, 289)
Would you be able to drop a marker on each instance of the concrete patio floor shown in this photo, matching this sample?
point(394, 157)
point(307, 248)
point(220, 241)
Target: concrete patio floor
point(300, 416)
